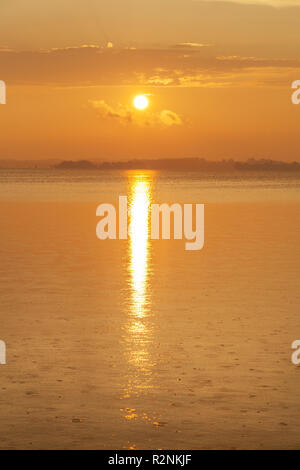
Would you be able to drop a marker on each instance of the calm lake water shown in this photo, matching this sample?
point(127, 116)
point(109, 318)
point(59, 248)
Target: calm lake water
point(140, 344)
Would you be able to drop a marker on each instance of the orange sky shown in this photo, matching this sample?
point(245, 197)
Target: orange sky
point(218, 76)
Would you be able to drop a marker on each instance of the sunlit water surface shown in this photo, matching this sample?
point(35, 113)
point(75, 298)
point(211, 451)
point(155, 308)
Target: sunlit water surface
point(139, 343)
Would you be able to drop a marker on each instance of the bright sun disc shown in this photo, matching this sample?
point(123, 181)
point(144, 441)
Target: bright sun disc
point(140, 102)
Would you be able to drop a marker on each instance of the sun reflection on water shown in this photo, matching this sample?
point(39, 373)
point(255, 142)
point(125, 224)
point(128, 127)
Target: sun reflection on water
point(139, 327)
point(140, 348)
point(139, 244)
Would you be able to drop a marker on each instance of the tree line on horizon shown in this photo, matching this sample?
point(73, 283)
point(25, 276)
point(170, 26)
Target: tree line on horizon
point(182, 164)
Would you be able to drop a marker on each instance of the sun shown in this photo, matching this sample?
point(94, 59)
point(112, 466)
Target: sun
point(141, 102)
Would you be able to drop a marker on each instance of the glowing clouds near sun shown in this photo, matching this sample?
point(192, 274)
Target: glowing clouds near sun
point(131, 114)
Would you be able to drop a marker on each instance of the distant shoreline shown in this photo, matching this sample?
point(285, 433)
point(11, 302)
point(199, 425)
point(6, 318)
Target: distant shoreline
point(182, 164)
point(166, 164)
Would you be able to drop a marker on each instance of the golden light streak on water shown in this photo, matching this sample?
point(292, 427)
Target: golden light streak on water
point(138, 331)
point(139, 245)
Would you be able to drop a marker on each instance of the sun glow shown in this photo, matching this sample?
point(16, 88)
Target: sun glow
point(141, 102)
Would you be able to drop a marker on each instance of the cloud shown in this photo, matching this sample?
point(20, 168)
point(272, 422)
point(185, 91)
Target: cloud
point(187, 45)
point(128, 115)
point(120, 112)
point(169, 118)
point(90, 65)
point(273, 3)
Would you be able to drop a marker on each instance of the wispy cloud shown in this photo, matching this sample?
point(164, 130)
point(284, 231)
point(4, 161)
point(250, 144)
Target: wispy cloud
point(90, 65)
point(187, 45)
point(121, 113)
point(169, 118)
point(273, 3)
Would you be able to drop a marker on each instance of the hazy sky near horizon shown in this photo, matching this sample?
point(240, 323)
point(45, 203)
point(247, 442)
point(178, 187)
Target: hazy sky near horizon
point(217, 74)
